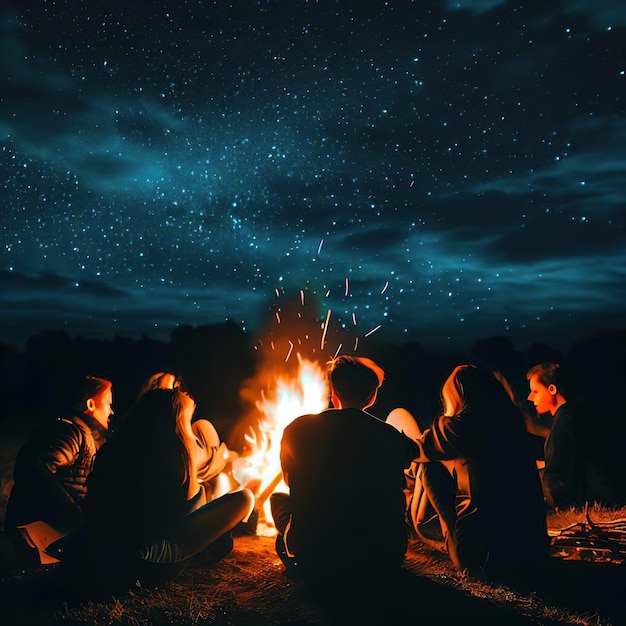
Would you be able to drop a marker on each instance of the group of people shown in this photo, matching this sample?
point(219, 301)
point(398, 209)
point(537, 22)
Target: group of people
point(133, 506)
point(144, 502)
point(470, 483)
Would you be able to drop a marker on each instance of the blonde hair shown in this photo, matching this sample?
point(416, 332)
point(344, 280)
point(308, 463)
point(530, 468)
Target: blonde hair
point(184, 406)
point(452, 395)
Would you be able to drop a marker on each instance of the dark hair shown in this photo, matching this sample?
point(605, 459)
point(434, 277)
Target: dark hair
point(151, 424)
point(475, 389)
point(549, 373)
point(90, 387)
point(354, 379)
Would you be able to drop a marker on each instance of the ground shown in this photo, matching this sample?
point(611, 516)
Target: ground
point(249, 587)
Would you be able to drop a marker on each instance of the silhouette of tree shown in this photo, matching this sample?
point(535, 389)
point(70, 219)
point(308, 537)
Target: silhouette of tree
point(214, 360)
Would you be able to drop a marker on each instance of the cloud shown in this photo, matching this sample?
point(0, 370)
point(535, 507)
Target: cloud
point(602, 13)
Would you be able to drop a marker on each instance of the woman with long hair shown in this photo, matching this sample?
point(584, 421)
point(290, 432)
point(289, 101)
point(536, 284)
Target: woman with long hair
point(478, 475)
point(147, 515)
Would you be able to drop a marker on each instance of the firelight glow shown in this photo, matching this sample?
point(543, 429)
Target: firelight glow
point(306, 392)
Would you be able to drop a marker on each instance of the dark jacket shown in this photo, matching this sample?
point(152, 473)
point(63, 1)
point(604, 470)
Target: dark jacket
point(578, 466)
point(50, 473)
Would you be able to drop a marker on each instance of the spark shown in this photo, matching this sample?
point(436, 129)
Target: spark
point(384, 288)
point(346, 292)
point(337, 352)
point(277, 317)
point(277, 292)
point(373, 330)
point(325, 329)
point(354, 318)
point(302, 297)
point(327, 294)
point(289, 353)
point(356, 343)
point(319, 248)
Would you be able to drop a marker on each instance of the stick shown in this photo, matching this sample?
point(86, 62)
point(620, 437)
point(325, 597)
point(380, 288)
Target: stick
point(269, 490)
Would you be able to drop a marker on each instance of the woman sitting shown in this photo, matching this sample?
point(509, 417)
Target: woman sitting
point(478, 478)
point(146, 512)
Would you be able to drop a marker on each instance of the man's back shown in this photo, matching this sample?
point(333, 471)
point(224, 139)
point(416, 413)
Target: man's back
point(346, 477)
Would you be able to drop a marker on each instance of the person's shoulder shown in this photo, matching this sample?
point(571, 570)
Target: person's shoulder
point(303, 421)
point(569, 411)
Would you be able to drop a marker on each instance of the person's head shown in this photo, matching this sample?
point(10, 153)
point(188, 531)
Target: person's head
point(160, 380)
point(95, 398)
point(160, 421)
point(547, 392)
point(471, 388)
point(354, 381)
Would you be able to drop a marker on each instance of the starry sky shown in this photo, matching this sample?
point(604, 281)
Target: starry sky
point(432, 171)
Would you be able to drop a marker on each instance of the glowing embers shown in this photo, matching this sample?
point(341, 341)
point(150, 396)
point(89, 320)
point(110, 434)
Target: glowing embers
point(258, 468)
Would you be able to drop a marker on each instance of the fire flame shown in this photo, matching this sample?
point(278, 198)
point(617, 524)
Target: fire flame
point(260, 469)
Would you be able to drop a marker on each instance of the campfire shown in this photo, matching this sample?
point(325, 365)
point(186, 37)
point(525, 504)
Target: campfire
point(289, 396)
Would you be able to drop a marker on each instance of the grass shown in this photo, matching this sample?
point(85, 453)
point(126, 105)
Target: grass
point(249, 587)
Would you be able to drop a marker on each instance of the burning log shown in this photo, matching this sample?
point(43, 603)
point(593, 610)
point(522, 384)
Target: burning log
point(269, 490)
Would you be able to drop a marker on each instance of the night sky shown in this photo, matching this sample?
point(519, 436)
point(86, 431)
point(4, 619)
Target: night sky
point(431, 171)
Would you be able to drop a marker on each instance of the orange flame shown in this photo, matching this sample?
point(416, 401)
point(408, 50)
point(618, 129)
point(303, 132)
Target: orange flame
point(291, 397)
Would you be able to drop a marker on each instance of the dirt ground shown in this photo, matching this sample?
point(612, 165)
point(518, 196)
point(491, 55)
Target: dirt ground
point(249, 587)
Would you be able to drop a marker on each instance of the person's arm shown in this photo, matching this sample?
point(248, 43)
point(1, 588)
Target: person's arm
point(560, 478)
point(39, 469)
point(535, 426)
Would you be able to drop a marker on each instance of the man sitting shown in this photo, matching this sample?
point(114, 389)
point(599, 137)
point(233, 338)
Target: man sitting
point(50, 473)
point(345, 511)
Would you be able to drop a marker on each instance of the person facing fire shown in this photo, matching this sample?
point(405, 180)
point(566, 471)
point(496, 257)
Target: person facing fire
point(146, 514)
point(51, 470)
point(478, 476)
point(212, 456)
point(575, 463)
point(344, 467)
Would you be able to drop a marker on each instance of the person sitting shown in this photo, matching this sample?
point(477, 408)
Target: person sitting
point(213, 458)
point(576, 465)
point(344, 514)
point(478, 477)
point(147, 516)
point(50, 474)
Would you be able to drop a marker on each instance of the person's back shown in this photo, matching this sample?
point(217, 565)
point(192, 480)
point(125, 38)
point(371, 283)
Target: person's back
point(499, 479)
point(145, 515)
point(498, 525)
point(346, 479)
point(345, 471)
point(137, 489)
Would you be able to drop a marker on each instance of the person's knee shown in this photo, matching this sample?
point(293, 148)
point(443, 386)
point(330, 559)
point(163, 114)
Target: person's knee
point(243, 501)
